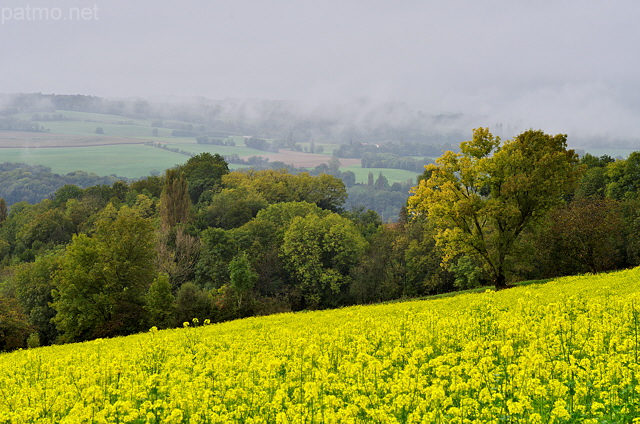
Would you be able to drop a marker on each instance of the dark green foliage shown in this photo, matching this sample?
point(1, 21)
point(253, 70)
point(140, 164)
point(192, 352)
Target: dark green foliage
point(44, 231)
point(33, 283)
point(192, 302)
point(218, 249)
point(623, 178)
point(468, 275)
point(65, 193)
point(630, 211)
point(4, 212)
point(150, 186)
point(100, 286)
point(242, 277)
point(366, 220)
point(204, 172)
point(320, 253)
point(32, 183)
point(231, 208)
point(159, 303)
point(380, 274)
point(14, 325)
point(593, 183)
point(385, 202)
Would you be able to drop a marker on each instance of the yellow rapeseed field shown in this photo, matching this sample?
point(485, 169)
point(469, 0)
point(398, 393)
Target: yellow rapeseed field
point(564, 351)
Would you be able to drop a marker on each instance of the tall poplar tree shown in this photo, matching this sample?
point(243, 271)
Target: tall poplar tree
point(175, 202)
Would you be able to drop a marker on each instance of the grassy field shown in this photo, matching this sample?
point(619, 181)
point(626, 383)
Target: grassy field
point(393, 175)
point(125, 160)
point(72, 144)
point(130, 161)
point(89, 129)
point(565, 351)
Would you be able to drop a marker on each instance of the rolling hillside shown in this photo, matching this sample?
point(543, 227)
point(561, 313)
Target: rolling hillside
point(563, 351)
point(109, 144)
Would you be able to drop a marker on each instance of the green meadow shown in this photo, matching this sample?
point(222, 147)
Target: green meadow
point(392, 175)
point(126, 158)
point(130, 161)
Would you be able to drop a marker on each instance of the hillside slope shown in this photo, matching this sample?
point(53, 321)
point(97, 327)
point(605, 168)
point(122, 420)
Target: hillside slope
point(564, 351)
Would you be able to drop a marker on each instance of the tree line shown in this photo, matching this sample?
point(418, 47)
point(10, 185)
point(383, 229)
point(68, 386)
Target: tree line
point(32, 183)
point(203, 242)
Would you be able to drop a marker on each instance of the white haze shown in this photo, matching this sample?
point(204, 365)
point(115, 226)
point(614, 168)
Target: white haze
point(561, 66)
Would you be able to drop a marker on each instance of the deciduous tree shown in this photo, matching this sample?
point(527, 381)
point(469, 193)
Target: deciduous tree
point(320, 252)
point(101, 282)
point(484, 197)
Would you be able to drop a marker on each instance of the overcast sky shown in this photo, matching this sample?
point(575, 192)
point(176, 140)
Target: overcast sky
point(562, 66)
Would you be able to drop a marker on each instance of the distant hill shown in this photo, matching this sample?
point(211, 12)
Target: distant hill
point(360, 121)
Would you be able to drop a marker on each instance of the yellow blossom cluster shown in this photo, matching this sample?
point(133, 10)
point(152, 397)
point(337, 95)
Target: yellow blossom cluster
point(566, 351)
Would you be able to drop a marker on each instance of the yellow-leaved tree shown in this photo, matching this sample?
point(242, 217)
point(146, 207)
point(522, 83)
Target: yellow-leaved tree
point(481, 199)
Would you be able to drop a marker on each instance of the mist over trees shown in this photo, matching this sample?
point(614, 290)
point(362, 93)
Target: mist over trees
point(357, 122)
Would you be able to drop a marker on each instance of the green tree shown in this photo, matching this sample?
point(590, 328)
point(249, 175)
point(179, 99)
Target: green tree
point(381, 272)
point(584, 236)
point(381, 183)
point(320, 253)
point(192, 302)
point(370, 179)
point(262, 238)
point(326, 191)
point(14, 325)
point(217, 249)
point(45, 230)
point(100, 286)
point(467, 274)
point(33, 286)
point(4, 213)
point(484, 197)
point(159, 302)
point(592, 184)
point(231, 208)
point(175, 202)
point(243, 278)
point(623, 178)
point(66, 192)
point(203, 173)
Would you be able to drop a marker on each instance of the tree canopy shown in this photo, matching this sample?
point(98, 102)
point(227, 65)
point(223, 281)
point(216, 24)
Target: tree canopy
point(483, 198)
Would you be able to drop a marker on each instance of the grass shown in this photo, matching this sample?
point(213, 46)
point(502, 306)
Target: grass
point(100, 117)
point(68, 147)
point(125, 160)
point(89, 128)
point(392, 175)
point(193, 147)
point(130, 161)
